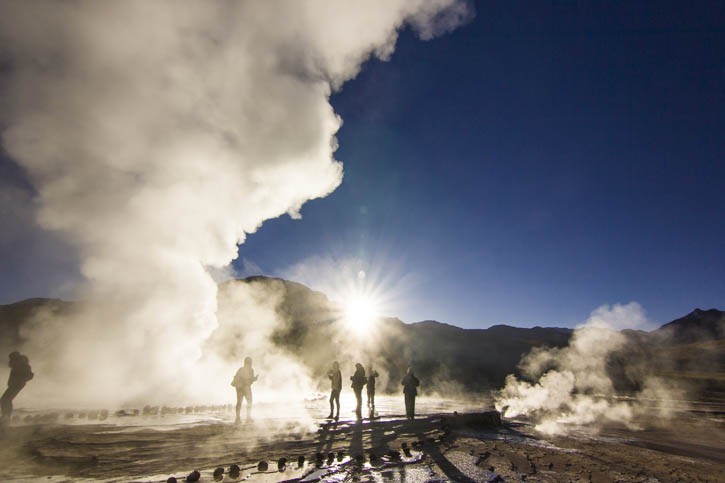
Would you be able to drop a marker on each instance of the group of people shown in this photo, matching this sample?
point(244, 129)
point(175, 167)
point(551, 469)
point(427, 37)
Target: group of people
point(20, 374)
point(359, 380)
point(245, 377)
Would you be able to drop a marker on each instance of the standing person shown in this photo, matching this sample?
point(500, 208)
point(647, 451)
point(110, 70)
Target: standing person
point(242, 381)
point(410, 389)
point(20, 374)
point(372, 374)
point(336, 381)
point(358, 381)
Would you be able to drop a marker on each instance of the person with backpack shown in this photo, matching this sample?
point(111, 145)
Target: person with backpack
point(242, 381)
point(20, 374)
point(358, 382)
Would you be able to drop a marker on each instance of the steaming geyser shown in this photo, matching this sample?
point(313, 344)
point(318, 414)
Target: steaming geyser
point(157, 136)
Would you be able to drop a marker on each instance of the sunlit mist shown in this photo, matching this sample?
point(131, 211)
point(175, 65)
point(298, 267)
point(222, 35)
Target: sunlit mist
point(360, 311)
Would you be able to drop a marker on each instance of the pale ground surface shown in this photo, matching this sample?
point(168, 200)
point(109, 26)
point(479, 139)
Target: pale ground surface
point(90, 446)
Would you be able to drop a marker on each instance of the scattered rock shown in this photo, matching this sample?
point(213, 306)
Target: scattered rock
point(193, 476)
point(262, 466)
point(171, 479)
point(281, 464)
point(234, 471)
point(482, 457)
point(393, 454)
point(300, 461)
point(218, 474)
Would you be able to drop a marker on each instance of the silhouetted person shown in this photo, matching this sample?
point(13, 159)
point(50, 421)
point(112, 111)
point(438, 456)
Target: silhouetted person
point(336, 381)
point(20, 373)
point(372, 374)
point(358, 381)
point(410, 389)
point(243, 380)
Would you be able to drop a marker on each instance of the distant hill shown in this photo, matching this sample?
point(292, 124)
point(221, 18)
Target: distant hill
point(698, 325)
point(452, 358)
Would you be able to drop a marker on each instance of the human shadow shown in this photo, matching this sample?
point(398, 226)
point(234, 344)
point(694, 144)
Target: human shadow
point(448, 468)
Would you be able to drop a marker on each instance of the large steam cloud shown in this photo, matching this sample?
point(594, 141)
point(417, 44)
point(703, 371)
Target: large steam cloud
point(569, 387)
point(157, 135)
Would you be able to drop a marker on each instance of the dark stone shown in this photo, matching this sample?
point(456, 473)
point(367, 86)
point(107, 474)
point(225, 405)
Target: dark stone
point(393, 454)
point(300, 461)
point(218, 474)
point(359, 459)
point(262, 466)
point(486, 419)
point(234, 471)
point(171, 479)
point(281, 464)
point(193, 476)
point(340, 455)
point(330, 458)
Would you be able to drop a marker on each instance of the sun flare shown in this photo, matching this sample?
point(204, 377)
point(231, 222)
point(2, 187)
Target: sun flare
point(360, 312)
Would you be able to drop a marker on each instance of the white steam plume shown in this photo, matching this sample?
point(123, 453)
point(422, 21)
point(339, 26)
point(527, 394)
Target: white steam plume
point(572, 386)
point(157, 135)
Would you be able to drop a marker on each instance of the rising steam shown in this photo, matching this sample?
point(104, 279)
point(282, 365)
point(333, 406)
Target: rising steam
point(571, 386)
point(157, 135)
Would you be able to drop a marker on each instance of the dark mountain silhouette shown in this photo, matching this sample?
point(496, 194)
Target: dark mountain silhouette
point(698, 325)
point(447, 357)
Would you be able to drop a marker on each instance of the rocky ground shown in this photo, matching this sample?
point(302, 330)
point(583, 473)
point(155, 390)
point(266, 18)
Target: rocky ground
point(436, 447)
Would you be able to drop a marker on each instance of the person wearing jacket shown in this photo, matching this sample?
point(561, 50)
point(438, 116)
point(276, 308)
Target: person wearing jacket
point(372, 375)
point(20, 374)
point(358, 381)
point(242, 381)
point(410, 385)
point(335, 377)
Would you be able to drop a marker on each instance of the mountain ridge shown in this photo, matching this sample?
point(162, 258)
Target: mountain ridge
point(311, 329)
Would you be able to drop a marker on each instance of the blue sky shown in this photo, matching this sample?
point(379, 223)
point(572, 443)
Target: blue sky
point(529, 167)
point(544, 160)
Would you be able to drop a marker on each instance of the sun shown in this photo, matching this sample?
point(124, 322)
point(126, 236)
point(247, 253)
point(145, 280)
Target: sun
point(360, 312)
